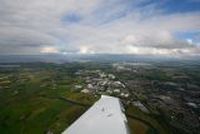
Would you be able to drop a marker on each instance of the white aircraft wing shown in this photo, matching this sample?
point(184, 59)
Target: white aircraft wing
point(104, 117)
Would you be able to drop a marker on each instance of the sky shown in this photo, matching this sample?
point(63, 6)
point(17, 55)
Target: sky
point(142, 27)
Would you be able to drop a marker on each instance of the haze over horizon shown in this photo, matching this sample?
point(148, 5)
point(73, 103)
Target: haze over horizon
point(140, 27)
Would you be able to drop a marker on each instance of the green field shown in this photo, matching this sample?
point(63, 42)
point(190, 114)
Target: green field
point(30, 100)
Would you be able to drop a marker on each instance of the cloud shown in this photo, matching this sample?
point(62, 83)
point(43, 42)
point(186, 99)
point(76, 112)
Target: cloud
point(96, 26)
point(49, 50)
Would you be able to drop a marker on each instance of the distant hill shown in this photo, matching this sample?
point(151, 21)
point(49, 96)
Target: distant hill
point(56, 58)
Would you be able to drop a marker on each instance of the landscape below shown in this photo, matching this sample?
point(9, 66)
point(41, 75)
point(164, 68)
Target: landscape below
point(159, 97)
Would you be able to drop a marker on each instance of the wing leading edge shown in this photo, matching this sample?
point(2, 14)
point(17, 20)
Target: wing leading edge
point(106, 116)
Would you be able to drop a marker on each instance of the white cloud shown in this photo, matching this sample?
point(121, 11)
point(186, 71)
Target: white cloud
point(49, 50)
point(113, 26)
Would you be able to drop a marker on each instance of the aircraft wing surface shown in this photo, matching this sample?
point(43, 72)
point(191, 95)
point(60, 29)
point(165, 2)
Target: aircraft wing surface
point(104, 117)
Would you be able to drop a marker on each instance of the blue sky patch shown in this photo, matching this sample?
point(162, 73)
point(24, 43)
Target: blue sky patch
point(71, 18)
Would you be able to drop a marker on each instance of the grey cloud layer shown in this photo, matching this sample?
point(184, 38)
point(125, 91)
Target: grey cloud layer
point(113, 26)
